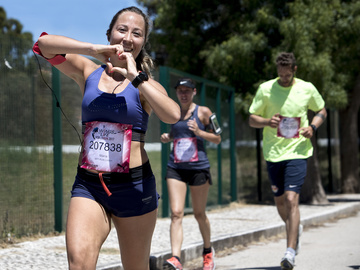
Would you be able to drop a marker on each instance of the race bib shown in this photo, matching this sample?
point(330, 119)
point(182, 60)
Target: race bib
point(185, 150)
point(107, 147)
point(288, 127)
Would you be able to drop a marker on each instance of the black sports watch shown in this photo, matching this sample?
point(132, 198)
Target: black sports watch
point(140, 78)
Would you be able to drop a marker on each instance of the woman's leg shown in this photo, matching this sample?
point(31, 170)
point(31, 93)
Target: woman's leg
point(177, 193)
point(87, 227)
point(199, 196)
point(135, 235)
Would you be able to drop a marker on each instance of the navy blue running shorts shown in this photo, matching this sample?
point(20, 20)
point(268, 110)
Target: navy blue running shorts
point(133, 193)
point(287, 175)
point(191, 177)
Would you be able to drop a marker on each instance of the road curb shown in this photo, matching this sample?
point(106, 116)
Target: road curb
point(194, 250)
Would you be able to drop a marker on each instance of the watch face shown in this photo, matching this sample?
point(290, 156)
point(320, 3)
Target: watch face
point(144, 76)
point(139, 79)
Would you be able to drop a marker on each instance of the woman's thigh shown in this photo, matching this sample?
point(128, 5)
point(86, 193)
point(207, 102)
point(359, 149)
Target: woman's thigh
point(177, 194)
point(87, 227)
point(135, 235)
point(199, 196)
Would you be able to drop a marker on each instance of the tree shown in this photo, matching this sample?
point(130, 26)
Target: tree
point(324, 35)
point(184, 28)
point(17, 83)
point(312, 191)
point(346, 60)
point(239, 50)
point(15, 44)
point(238, 57)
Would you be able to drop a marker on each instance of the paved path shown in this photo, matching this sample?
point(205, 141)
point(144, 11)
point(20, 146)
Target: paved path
point(335, 245)
point(233, 225)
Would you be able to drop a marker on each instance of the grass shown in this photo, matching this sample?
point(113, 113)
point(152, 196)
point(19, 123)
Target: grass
point(27, 195)
point(25, 180)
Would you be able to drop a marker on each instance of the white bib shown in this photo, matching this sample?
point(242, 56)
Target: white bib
point(185, 150)
point(288, 127)
point(107, 147)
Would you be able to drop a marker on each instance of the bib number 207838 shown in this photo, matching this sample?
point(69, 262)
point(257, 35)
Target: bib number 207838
point(107, 147)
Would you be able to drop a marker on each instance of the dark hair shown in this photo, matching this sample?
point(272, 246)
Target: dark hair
point(143, 61)
point(286, 59)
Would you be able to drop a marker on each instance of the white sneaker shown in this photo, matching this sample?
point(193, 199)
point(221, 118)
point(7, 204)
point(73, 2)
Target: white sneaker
point(298, 243)
point(288, 261)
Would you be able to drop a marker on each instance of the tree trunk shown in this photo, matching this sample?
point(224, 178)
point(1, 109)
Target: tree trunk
point(312, 191)
point(349, 150)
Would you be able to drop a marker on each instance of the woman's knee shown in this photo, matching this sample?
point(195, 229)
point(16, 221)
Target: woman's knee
point(78, 260)
point(200, 216)
point(177, 214)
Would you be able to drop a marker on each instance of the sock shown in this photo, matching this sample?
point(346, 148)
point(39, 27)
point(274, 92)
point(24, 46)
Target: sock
point(291, 250)
point(207, 250)
point(177, 258)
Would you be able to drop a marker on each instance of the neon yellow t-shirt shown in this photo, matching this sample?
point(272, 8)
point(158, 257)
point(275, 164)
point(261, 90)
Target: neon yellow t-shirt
point(294, 101)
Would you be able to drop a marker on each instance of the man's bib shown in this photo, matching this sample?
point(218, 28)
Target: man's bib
point(289, 127)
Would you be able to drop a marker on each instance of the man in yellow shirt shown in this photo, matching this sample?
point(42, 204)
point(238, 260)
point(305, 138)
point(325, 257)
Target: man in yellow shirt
point(280, 106)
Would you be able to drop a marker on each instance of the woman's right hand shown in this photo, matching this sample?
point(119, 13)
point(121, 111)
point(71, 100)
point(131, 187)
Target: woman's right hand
point(105, 52)
point(165, 138)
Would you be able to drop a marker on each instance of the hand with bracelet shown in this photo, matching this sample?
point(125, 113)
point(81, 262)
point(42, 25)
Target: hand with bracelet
point(317, 120)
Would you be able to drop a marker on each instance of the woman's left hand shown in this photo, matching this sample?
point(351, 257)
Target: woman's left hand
point(127, 68)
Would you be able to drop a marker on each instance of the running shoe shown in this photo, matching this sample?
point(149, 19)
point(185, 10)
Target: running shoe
point(288, 261)
point(298, 243)
point(172, 264)
point(209, 262)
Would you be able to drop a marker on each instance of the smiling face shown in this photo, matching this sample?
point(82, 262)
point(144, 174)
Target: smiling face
point(129, 31)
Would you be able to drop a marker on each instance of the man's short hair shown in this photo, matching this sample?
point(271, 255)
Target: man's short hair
point(286, 59)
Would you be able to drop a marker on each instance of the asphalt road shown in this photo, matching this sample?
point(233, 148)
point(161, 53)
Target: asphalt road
point(333, 245)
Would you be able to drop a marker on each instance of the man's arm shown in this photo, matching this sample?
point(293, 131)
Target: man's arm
point(257, 121)
point(319, 118)
point(316, 122)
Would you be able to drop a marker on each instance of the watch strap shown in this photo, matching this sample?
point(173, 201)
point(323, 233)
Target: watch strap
point(139, 79)
point(313, 127)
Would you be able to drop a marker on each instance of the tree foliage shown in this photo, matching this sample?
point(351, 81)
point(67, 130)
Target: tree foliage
point(15, 44)
point(325, 37)
point(236, 42)
point(22, 113)
point(184, 28)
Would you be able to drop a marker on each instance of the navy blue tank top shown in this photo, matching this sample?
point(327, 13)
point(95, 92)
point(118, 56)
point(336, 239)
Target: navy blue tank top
point(181, 130)
point(124, 107)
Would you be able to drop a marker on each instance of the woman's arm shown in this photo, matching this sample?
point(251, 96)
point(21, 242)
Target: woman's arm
point(204, 114)
point(76, 66)
point(158, 100)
